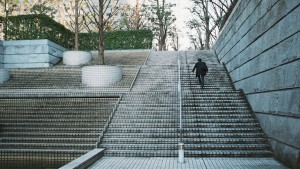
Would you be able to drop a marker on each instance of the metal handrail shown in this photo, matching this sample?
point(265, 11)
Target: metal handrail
point(180, 99)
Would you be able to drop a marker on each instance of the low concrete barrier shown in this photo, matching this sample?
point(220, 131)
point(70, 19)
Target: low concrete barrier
point(4, 75)
point(76, 57)
point(1, 54)
point(101, 75)
point(85, 160)
point(31, 53)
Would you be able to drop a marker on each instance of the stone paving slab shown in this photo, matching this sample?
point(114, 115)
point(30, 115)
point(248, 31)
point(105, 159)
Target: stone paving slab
point(190, 163)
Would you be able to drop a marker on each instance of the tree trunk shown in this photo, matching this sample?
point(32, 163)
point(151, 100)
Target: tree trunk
point(5, 21)
point(207, 31)
point(76, 25)
point(101, 34)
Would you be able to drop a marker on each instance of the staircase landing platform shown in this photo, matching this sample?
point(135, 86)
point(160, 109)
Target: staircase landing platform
point(190, 163)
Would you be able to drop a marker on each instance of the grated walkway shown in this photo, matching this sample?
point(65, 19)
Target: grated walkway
point(190, 163)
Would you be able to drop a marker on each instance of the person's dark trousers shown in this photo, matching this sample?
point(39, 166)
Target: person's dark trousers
point(201, 81)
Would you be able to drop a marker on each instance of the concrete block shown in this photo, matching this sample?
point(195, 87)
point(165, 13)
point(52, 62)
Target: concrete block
point(29, 58)
point(40, 53)
point(26, 65)
point(271, 36)
point(270, 59)
point(288, 155)
point(286, 101)
point(281, 77)
point(284, 129)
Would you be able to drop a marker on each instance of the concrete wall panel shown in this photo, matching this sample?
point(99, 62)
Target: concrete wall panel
point(283, 102)
point(260, 47)
point(31, 53)
point(272, 58)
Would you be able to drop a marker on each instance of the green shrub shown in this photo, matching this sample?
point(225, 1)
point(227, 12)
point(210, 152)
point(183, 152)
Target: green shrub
point(23, 27)
point(114, 40)
point(41, 26)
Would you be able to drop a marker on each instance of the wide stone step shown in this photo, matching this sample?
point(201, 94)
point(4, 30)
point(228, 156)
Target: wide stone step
point(174, 153)
point(220, 108)
point(140, 141)
point(141, 108)
point(185, 140)
point(30, 151)
point(54, 125)
point(210, 146)
point(145, 125)
point(186, 121)
point(187, 147)
point(144, 115)
point(189, 116)
point(145, 112)
point(47, 140)
point(51, 135)
point(146, 121)
point(53, 121)
point(228, 153)
point(185, 130)
point(54, 112)
point(51, 129)
point(140, 146)
point(214, 104)
point(47, 145)
point(141, 153)
point(217, 115)
point(228, 112)
point(158, 105)
point(224, 140)
point(34, 116)
point(185, 135)
point(212, 100)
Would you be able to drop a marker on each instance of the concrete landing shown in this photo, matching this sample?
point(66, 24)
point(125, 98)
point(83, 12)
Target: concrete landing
point(190, 163)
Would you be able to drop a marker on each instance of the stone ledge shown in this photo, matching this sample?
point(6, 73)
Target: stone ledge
point(30, 53)
point(85, 160)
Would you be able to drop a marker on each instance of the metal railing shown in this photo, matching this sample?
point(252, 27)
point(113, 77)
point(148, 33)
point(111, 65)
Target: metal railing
point(180, 99)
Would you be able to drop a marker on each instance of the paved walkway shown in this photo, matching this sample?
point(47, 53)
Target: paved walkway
point(190, 163)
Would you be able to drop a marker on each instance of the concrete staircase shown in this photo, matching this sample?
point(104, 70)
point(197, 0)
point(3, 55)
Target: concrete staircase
point(50, 131)
point(146, 121)
point(218, 121)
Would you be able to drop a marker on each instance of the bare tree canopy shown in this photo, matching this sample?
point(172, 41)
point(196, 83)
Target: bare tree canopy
point(206, 22)
point(160, 17)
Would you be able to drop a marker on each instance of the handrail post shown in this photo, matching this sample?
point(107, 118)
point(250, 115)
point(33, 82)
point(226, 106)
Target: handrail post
point(181, 144)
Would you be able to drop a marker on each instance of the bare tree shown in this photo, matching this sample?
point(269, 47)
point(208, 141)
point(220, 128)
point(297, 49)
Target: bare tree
point(208, 16)
point(161, 18)
point(131, 17)
point(9, 6)
point(101, 14)
point(76, 18)
point(174, 38)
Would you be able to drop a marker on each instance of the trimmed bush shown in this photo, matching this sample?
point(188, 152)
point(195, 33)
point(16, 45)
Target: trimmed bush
point(132, 39)
point(39, 26)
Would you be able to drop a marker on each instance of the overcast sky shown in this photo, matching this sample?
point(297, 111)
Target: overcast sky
point(182, 16)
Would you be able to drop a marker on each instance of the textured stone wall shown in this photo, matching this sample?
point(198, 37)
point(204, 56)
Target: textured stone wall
point(31, 53)
point(260, 46)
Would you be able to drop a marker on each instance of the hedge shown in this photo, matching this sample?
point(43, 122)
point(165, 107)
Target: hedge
point(132, 39)
point(43, 27)
point(38, 27)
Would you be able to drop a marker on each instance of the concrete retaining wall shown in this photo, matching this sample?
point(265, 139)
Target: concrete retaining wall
point(31, 53)
point(1, 55)
point(260, 46)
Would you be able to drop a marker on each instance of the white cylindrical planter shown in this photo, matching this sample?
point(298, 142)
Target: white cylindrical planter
point(101, 75)
point(76, 57)
point(180, 152)
point(4, 75)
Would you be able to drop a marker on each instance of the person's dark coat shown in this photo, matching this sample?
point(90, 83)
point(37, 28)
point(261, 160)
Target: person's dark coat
point(201, 68)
